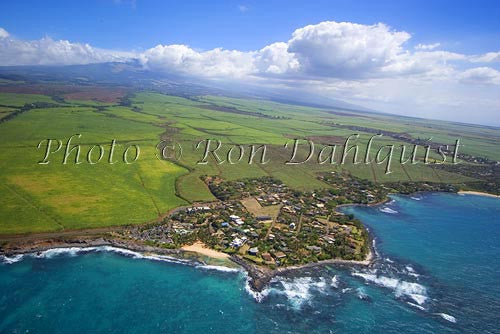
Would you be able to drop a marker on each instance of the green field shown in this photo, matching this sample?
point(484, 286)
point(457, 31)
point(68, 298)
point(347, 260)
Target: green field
point(56, 196)
point(18, 100)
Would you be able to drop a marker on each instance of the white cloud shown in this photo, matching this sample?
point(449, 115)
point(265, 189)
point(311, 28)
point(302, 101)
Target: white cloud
point(47, 51)
point(324, 51)
point(489, 57)
point(423, 63)
point(443, 99)
point(3, 33)
point(213, 63)
point(243, 8)
point(346, 50)
point(427, 46)
point(271, 60)
point(480, 75)
point(275, 59)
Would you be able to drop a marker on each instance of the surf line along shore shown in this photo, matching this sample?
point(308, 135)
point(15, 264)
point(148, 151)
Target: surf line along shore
point(259, 276)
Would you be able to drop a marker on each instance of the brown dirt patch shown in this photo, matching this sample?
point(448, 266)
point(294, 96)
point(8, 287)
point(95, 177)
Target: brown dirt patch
point(87, 93)
point(254, 207)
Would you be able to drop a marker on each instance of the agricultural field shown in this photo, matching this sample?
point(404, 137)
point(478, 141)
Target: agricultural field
point(19, 100)
point(56, 196)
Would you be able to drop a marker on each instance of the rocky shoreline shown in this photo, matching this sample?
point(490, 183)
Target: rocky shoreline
point(44, 245)
point(259, 276)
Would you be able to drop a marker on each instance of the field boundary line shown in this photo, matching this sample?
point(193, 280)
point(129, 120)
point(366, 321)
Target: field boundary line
point(30, 203)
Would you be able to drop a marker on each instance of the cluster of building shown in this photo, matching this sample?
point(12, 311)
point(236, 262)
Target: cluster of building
point(302, 228)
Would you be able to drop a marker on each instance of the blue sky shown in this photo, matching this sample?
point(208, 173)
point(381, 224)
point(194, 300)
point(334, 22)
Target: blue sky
point(435, 59)
point(468, 27)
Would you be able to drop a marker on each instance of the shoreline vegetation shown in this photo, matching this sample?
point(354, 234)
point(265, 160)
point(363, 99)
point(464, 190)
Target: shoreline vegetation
point(259, 275)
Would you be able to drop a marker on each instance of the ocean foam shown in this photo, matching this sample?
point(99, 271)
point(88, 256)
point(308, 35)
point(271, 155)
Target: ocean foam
point(335, 282)
point(374, 247)
point(410, 271)
point(137, 255)
point(74, 251)
point(298, 290)
point(163, 258)
point(258, 296)
point(12, 259)
point(218, 268)
point(447, 317)
point(362, 294)
point(412, 290)
point(416, 306)
point(388, 210)
point(420, 299)
point(69, 251)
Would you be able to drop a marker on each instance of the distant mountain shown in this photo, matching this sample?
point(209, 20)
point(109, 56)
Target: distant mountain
point(135, 75)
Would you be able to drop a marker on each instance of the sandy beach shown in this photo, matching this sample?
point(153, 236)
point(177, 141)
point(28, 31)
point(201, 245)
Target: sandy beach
point(463, 192)
point(200, 248)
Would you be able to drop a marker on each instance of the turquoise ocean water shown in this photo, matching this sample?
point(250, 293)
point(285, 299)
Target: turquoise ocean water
point(437, 271)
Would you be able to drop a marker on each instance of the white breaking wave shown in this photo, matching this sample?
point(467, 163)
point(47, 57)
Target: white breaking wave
point(73, 251)
point(12, 259)
point(412, 290)
point(388, 210)
point(258, 296)
point(374, 247)
point(361, 294)
point(163, 258)
point(121, 251)
point(448, 317)
point(69, 251)
point(218, 268)
point(298, 290)
point(335, 282)
point(411, 271)
point(416, 198)
point(420, 299)
point(416, 306)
